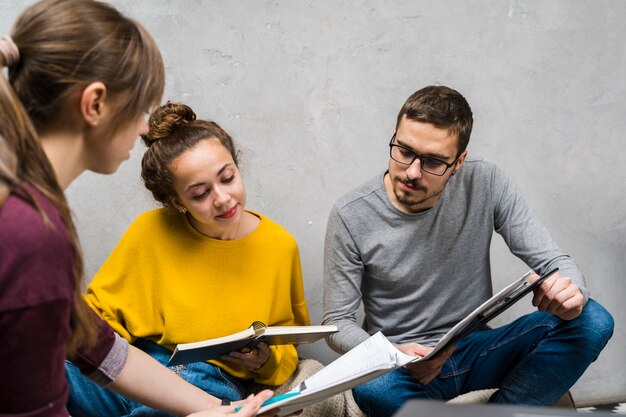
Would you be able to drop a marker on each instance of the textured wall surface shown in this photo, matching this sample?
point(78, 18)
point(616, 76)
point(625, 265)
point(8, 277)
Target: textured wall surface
point(310, 90)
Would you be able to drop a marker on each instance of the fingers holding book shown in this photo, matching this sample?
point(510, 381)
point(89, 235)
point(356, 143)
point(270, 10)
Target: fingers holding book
point(243, 408)
point(427, 370)
point(558, 295)
point(252, 359)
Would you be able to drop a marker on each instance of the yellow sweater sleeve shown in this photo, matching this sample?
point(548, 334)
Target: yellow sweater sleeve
point(168, 283)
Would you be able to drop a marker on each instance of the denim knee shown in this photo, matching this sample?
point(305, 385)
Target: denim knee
point(598, 325)
point(368, 398)
point(384, 395)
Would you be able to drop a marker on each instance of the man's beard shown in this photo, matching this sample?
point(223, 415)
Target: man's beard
point(412, 199)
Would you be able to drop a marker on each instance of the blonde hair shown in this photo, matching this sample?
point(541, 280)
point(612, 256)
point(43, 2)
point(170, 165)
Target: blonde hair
point(64, 45)
point(8, 166)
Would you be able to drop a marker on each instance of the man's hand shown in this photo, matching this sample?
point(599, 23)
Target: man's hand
point(424, 371)
point(558, 295)
point(252, 360)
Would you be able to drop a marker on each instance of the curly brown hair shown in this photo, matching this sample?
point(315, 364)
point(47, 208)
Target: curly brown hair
point(173, 130)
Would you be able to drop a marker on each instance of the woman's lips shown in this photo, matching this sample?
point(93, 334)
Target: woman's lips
point(229, 213)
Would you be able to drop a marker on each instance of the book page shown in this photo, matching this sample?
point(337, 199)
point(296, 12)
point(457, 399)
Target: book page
point(371, 358)
point(280, 330)
point(244, 334)
point(375, 353)
point(283, 335)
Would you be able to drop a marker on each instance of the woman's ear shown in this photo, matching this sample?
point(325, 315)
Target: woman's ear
point(175, 202)
point(92, 102)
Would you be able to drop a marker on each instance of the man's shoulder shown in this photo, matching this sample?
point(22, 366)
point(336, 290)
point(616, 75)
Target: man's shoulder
point(362, 192)
point(479, 166)
point(481, 172)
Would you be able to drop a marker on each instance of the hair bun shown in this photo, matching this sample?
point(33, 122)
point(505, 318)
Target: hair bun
point(166, 119)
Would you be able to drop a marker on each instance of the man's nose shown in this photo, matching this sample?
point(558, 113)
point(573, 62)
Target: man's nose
point(414, 171)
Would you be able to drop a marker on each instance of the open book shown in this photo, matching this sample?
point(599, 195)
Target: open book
point(489, 310)
point(376, 355)
point(246, 340)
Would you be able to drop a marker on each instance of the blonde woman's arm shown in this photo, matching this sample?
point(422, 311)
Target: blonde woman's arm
point(145, 380)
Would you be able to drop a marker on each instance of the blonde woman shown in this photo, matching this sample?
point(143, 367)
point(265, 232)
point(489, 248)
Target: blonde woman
point(81, 77)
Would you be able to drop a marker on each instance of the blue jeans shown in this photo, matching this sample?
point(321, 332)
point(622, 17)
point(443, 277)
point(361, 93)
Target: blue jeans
point(533, 361)
point(90, 400)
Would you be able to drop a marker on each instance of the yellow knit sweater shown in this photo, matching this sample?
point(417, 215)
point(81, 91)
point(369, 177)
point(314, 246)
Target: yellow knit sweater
point(170, 284)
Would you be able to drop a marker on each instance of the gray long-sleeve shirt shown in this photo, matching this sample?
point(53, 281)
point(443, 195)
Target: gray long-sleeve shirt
point(419, 274)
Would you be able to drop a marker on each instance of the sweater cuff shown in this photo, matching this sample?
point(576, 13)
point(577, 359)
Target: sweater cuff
point(112, 364)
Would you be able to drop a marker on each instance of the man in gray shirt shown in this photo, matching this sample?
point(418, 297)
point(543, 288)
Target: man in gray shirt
point(412, 244)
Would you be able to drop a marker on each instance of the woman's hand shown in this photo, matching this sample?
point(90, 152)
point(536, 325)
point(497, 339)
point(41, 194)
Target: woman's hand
point(244, 408)
point(252, 360)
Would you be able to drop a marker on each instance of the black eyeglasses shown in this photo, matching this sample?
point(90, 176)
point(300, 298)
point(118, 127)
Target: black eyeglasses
point(405, 156)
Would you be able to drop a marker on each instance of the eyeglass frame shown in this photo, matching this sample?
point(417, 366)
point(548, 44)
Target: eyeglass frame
point(420, 157)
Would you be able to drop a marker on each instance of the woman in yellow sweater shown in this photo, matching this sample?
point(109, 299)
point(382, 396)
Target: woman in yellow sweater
point(201, 267)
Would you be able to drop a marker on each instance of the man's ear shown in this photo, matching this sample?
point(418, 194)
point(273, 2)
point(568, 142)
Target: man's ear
point(459, 162)
point(92, 102)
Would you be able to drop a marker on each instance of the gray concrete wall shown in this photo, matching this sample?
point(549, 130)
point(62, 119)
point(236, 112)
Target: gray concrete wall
point(310, 90)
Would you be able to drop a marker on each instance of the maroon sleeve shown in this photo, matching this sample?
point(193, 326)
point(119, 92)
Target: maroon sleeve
point(106, 359)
